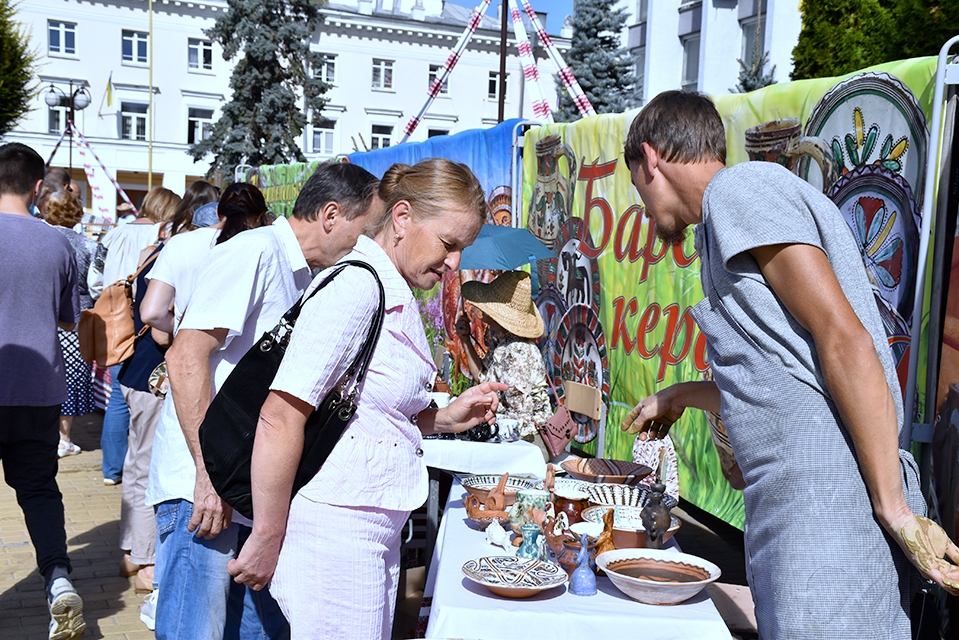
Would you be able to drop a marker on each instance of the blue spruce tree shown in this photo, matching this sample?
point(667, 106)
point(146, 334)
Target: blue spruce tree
point(264, 118)
point(602, 67)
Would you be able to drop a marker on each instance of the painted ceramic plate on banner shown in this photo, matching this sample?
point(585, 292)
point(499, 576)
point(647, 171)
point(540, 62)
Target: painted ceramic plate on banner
point(575, 276)
point(552, 307)
point(513, 577)
point(581, 356)
point(878, 206)
point(871, 119)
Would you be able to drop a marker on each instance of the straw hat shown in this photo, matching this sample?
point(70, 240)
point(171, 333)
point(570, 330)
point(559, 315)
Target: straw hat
point(509, 301)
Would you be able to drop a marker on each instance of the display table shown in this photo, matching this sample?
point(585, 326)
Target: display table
point(520, 458)
point(463, 609)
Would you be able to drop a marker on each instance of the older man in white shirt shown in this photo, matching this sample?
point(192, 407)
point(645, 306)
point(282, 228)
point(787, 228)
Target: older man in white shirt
point(248, 285)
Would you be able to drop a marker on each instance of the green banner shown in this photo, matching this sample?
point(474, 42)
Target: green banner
point(617, 303)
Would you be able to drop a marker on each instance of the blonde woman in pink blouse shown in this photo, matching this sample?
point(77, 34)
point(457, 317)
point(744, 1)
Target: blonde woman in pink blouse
point(335, 549)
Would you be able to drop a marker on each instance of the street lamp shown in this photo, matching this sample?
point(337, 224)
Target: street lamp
point(78, 100)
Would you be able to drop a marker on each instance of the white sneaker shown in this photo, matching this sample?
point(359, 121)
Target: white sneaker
point(149, 610)
point(66, 610)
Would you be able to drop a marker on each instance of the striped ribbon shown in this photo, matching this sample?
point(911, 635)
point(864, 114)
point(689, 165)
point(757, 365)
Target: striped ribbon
point(541, 109)
point(565, 75)
point(455, 54)
point(83, 146)
point(55, 147)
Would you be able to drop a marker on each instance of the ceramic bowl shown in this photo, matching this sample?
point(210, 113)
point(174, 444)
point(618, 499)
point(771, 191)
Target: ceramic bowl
point(656, 576)
point(480, 486)
point(513, 577)
point(628, 530)
point(565, 484)
point(605, 494)
point(606, 470)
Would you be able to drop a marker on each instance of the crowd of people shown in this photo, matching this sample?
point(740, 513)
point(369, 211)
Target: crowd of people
point(788, 316)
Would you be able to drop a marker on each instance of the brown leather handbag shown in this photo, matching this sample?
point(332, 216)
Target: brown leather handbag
point(106, 332)
point(558, 430)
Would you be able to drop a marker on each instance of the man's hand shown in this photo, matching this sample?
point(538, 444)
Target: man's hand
point(654, 415)
point(463, 328)
point(256, 563)
point(475, 405)
point(929, 548)
point(211, 514)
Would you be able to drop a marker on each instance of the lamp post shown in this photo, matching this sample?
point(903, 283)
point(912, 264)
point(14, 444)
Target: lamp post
point(78, 100)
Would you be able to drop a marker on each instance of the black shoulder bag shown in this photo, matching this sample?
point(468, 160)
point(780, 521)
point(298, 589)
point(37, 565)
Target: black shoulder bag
point(229, 427)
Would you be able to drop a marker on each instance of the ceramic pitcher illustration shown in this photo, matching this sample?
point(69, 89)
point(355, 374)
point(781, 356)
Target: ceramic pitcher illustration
point(552, 200)
point(780, 141)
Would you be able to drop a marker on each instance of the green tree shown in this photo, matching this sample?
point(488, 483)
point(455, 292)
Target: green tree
point(264, 117)
point(754, 76)
point(17, 84)
point(840, 36)
point(922, 27)
point(603, 68)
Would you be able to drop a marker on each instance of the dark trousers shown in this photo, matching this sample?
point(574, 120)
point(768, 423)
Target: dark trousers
point(28, 451)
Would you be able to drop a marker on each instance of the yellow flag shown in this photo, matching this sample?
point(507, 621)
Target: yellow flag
point(110, 90)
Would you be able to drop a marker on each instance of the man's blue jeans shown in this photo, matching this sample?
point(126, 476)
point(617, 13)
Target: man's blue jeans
point(198, 598)
point(116, 429)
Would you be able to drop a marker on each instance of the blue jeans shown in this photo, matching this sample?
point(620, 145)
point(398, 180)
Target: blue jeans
point(116, 427)
point(198, 598)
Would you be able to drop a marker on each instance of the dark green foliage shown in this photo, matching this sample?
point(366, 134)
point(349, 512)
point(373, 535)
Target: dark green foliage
point(921, 27)
point(840, 36)
point(16, 70)
point(262, 122)
point(754, 77)
point(602, 67)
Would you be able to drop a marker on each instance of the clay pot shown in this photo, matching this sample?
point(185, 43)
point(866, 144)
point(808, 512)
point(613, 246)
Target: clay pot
point(571, 503)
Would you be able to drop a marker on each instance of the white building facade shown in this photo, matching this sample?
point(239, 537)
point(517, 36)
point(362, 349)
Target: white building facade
point(382, 56)
point(696, 44)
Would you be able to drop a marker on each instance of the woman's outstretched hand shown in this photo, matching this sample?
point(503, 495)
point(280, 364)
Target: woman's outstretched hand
point(475, 405)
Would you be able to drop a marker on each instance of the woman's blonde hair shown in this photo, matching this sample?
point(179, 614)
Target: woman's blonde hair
point(430, 186)
point(62, 209)
point(159, 204)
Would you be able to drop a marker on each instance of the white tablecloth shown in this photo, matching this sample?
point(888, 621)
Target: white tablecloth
point(463, 609)
point(521, 458)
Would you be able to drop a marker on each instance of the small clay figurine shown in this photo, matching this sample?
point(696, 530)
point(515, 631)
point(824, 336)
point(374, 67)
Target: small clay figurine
point(554, 530)
point(497, 536)
point(496, 499)
point(655, 517)
point(478, 513)
point(550, 482)
point(583, 580)
point(604, 542)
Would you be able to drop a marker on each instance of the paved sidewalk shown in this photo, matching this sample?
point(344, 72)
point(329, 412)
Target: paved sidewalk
point(110, 606)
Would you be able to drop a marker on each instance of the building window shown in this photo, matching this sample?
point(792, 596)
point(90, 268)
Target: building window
point(133, 121)
point(135, 46)
point(435, 71)
point(493, 92)
point(199, 125)
point(754, 34)
point(640, 73)
point(326, 71)
point(63, 37)
point(381, 136)
point(642, 10)
point(691, 63)
point(437, 132)
point(382, 74)
point(323, 137)
point(199, 54)
point(56, 119)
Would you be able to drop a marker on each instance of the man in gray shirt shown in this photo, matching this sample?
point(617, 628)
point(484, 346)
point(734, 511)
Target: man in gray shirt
point(38, 292)
point(804, 382)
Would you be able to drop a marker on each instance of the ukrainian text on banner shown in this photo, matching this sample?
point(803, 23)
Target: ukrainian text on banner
point(281, 183)
point(618, 303)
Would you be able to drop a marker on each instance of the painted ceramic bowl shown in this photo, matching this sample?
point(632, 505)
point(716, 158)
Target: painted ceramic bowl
point(512, 577)
point(566, 484)
point(606, 470)
point(656, 576)
point(480, 486)
point(628, 530)
point(605, 494)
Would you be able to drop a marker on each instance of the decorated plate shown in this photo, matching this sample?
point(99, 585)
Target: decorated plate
point(581, 356)
point(552, 307)
point(606, 494)
point(513, 577)
point(575, 276)
point(872, 119)
point(878, 206)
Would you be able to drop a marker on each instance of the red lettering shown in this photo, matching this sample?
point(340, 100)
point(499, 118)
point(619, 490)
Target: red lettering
point(619, 324)
point(647, 323)
point(632, 248)
point(650, 256)
point(682, 260)
point(699, 353)
point(591, 172)
point(675, 323)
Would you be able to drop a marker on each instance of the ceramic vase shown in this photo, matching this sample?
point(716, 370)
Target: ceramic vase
point(551, 202)
point(529, 549)
point(571, 502)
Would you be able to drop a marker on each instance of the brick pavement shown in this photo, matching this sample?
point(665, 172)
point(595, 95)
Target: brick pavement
point(111, 607)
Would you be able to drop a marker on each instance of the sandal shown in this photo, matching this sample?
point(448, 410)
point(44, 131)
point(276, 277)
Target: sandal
point(67, 449)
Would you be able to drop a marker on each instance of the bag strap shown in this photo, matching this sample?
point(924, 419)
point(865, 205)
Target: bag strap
point(549, 379)
point(146, 263)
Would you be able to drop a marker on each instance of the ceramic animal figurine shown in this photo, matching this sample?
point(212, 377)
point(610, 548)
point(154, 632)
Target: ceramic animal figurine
point(550, 482)
point(528, 549)
point(554, 531)
point(583, 580)
point(496, 499)
point(478, 513)
point(497, 536)
point(604, 542)
point(655, 517)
